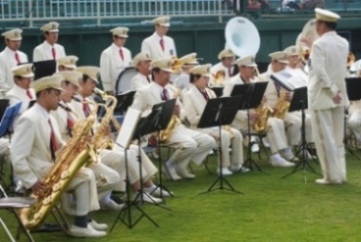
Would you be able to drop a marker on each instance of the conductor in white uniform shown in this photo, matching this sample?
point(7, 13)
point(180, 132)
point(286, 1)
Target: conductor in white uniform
point(327, 96)
point(114, 59)
point(10, 57)
point(159, 45)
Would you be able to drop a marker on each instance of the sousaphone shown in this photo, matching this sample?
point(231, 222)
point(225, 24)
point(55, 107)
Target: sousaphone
point(242, 37)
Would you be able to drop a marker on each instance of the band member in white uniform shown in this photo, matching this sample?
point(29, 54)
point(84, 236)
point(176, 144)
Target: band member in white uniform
point(114, 59)
point(275, 127)
point(142, 63)
point(114, 157)
point(67, 63)
point(49, 49)
point(182, 82)
point(159, 45)
point(33, 157)
point(222, 71)
point(195, 101)
point(294, 62)
point(22, 92)
point(189, 144)
point(274, 93)
point(327, 97)
point(354, 112)
point(10, 57)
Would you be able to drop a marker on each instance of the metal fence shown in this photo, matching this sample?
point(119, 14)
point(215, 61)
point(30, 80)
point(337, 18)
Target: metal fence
point(44, 10)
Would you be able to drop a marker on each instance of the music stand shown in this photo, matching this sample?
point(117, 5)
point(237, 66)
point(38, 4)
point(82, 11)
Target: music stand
point(124, 138)
point(6, 128)
point(299, 102)
point(253, 95)
point(218, 91)
point(164, 112)
point(353, 86)
point(124, 101)
point(218, 112)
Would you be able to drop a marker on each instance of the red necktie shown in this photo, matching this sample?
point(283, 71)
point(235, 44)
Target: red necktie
point(17, 58)
point(165, 94)
point(28, 93)
point(121, 53)
point(229, 71)
point(86, 108)
point(148, 79)
point(162, 44)
point(53, 143)
point(205, 95)
point(53, 53)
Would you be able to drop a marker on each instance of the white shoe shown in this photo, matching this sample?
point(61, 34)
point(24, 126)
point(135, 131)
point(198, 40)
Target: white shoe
point(239, 168)
point(87, 232)
point(171, 173)
point(157, 192)
point(324, 181)
point(278, 161)
point(288, 155)
point(146, 197)
point(97, 226)
point(182, 172)
point(254, 148)
point(225, 171)
point(111, 205)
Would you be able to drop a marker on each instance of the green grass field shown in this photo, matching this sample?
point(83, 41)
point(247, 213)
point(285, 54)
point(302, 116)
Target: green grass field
point(271, 209)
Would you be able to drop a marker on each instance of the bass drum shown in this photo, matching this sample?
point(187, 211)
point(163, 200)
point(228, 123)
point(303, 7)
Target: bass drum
point(123, 81)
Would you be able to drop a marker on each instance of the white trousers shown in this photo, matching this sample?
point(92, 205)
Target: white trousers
point(190, 145)
point(233, 138)
point(83, 186)
point(329, 133)
point(293, 128)
point(354, 122)
point(276, 135)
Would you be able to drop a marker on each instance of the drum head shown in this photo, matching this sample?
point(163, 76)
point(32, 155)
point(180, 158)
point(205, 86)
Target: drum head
point(123, 82)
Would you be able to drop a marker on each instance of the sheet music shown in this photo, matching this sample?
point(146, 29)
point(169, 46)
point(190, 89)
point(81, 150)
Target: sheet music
point(128, 128)
point(291, 79)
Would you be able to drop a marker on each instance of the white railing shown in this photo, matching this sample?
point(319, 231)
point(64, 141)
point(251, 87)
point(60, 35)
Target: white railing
point(44, 10)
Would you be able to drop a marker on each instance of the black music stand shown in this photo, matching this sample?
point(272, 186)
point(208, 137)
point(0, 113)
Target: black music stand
point(127, 217)
point(6, 128)
point(124, 101)
point(253, 94)
point(353, 92)
point(218, 112)
point(299, 102)
point(218, 91)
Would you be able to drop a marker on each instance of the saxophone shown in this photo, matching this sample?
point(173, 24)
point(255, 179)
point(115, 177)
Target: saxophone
point(219, 78)
point(101, 139)
point(174, 121)
point(76, 154)
point(282, 106)
point(263, 112)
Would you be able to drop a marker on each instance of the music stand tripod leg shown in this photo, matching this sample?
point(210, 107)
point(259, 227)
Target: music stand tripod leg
point(129, 204)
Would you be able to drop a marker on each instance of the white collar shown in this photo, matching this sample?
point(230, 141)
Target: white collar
point(9, 51)
point(115, 47)
point(47, 45)
point(45, 115)
point(157, 37)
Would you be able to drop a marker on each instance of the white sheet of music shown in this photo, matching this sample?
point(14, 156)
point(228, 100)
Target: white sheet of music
point(129, 125)
point(291, 79)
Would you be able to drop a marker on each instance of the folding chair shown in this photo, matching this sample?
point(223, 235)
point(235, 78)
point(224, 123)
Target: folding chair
point(12, 204)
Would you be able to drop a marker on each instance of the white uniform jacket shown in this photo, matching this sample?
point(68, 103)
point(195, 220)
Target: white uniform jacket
point(327, 65)
point(43, 52)
point(139, 81)
point(111, 65)
point(152, 45)
point(18, 94)
point(7, 62)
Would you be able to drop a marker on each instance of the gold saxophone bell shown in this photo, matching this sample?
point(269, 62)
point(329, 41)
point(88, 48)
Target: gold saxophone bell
point(350, 59)
point(282, 105)
point(165, 135)
point(263, 112)
point(219, 78)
